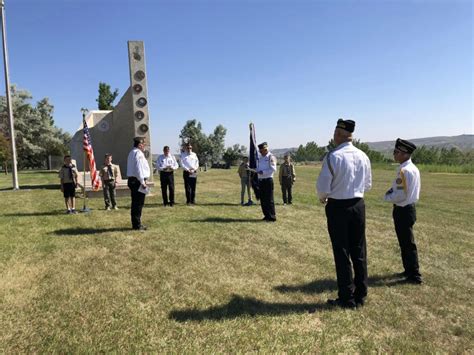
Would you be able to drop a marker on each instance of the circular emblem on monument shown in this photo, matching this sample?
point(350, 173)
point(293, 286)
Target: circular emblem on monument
point(139, 115)
point(104, 126)
point(143, 128)
point(147, 153)
point(137, 88)
point(141, 102)
point(139, 75)
point(137, 56)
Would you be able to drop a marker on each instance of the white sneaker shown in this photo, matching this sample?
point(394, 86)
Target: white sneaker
point(115, 208)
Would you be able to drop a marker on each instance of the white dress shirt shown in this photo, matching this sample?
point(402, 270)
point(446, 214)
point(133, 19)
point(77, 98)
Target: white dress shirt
point(405, 189)
point(166, 162)
point(137, 165)
point(267, 165)
point(189, 161)
point(345, 173)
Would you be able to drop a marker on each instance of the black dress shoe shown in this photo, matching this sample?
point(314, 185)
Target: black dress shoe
point(141, 227)
point(415, 280)
point(343, 304)
point(360, 302)
point(402, 274)
point(271, 219)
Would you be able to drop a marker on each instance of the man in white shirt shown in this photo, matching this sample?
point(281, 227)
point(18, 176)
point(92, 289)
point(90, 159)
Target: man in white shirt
point(138, 171)
point(190, 165)
point(344, 177)
point(167, 164)
point(404, 193)
point(266, 167)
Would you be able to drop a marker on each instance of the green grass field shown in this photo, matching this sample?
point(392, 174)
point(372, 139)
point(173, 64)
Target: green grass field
point(214, 278)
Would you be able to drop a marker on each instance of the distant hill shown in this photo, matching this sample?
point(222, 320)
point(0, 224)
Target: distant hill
point(280, 152)
point(463, 142)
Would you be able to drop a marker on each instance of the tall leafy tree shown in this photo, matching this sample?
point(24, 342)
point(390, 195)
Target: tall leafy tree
point(35, 133)
point(208, 148)
point(5, 152)
point(106, 97)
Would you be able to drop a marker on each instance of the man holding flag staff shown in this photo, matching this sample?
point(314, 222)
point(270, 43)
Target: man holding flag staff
point(138, 171)
point(266, 167)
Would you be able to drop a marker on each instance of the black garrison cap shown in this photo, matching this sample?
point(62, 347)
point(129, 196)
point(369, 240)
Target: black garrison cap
point(404, 146)
point(139, 140)
point(263, 145)
point(347, 125)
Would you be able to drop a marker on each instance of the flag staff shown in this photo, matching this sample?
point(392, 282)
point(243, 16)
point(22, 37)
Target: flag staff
point(84, 208)
point(16, 186)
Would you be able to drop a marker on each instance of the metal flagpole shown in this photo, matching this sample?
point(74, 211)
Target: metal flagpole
point(9, 99)
point(84, 208)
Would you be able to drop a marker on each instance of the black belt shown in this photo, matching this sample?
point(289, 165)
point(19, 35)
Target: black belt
point(265, 179)
point(407, 206)
point(344, 203)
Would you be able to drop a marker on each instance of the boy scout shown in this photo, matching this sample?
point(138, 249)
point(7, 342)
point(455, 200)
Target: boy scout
point(68, 176)
point(108, 174)
point(404, 193)
point(287, 177)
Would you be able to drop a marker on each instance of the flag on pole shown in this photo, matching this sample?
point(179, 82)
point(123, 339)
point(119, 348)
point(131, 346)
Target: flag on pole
point(87, 145)
point(253, 159)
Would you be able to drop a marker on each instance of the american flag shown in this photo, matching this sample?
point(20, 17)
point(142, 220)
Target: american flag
point(253, 159)
point(87, 144)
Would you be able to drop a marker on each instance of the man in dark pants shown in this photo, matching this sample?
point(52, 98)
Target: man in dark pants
point(266, 167)
point(138, 171)
point(167, 164)
point(404, 193)
point(190, 164)
point(345, 176)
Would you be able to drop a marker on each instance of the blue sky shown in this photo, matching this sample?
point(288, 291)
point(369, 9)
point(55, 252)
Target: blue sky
point(398, 68)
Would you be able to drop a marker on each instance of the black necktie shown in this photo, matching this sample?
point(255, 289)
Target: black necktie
point(109, 170)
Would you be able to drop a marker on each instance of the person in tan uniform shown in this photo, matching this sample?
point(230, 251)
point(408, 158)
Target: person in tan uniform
point(287, 177)
point(108, 174)
point(68, 176)
point(244, 175)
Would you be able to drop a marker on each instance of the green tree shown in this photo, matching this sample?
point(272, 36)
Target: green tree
point(106, 97)
point(35, 133)
point(208, 148)
point(233, 154)
point(5, 152)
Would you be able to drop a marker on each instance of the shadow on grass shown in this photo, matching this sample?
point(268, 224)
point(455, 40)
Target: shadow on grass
point(225, 220)
point(34, 214)
point(240, 306)
point(85, 231)
point(323, 285)
point(35, 187)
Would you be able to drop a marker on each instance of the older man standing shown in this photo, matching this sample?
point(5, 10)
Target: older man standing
point(190, 164)
point(138, 171)
point(167, 164)
point(345, 176)
point(404, 193)
point(266, 167)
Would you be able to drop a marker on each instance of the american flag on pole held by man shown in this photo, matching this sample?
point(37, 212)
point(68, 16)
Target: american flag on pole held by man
point(253, 160)
point(87, 145)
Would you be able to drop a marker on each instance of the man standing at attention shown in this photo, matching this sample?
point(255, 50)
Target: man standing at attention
point(287, 177)
point(266, 167)
point(190, 164)
point(138, 171)
point(344, 177)
point(404, 193)
point(167, 164)
point(108, 174)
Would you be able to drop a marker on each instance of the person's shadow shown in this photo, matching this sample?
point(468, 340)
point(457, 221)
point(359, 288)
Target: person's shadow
point(323, 285)
point(240, 306)
point(224, 220)
point(88, 231)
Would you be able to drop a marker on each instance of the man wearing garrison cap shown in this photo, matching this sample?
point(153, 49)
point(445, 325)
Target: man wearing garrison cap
point(404, 193)
point(344, 177)
point(138, 171)
point(266, 167)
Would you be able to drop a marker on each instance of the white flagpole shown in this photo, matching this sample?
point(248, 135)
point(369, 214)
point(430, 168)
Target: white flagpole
point(9, 99)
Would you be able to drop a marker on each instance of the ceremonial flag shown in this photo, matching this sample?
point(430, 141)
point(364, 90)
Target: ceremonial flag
point(87, 145)
point(253, 159)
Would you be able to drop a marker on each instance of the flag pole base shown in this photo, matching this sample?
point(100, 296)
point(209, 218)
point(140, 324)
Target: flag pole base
point(85, 210)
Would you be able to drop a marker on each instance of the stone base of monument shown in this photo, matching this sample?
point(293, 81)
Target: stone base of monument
point(121, 187)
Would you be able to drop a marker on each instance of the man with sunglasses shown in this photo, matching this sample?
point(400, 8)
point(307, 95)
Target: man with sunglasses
point(404, 193)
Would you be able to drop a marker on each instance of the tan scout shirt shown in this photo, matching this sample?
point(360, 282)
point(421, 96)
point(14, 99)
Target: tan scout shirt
point(65, 176)
point(104, 173)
